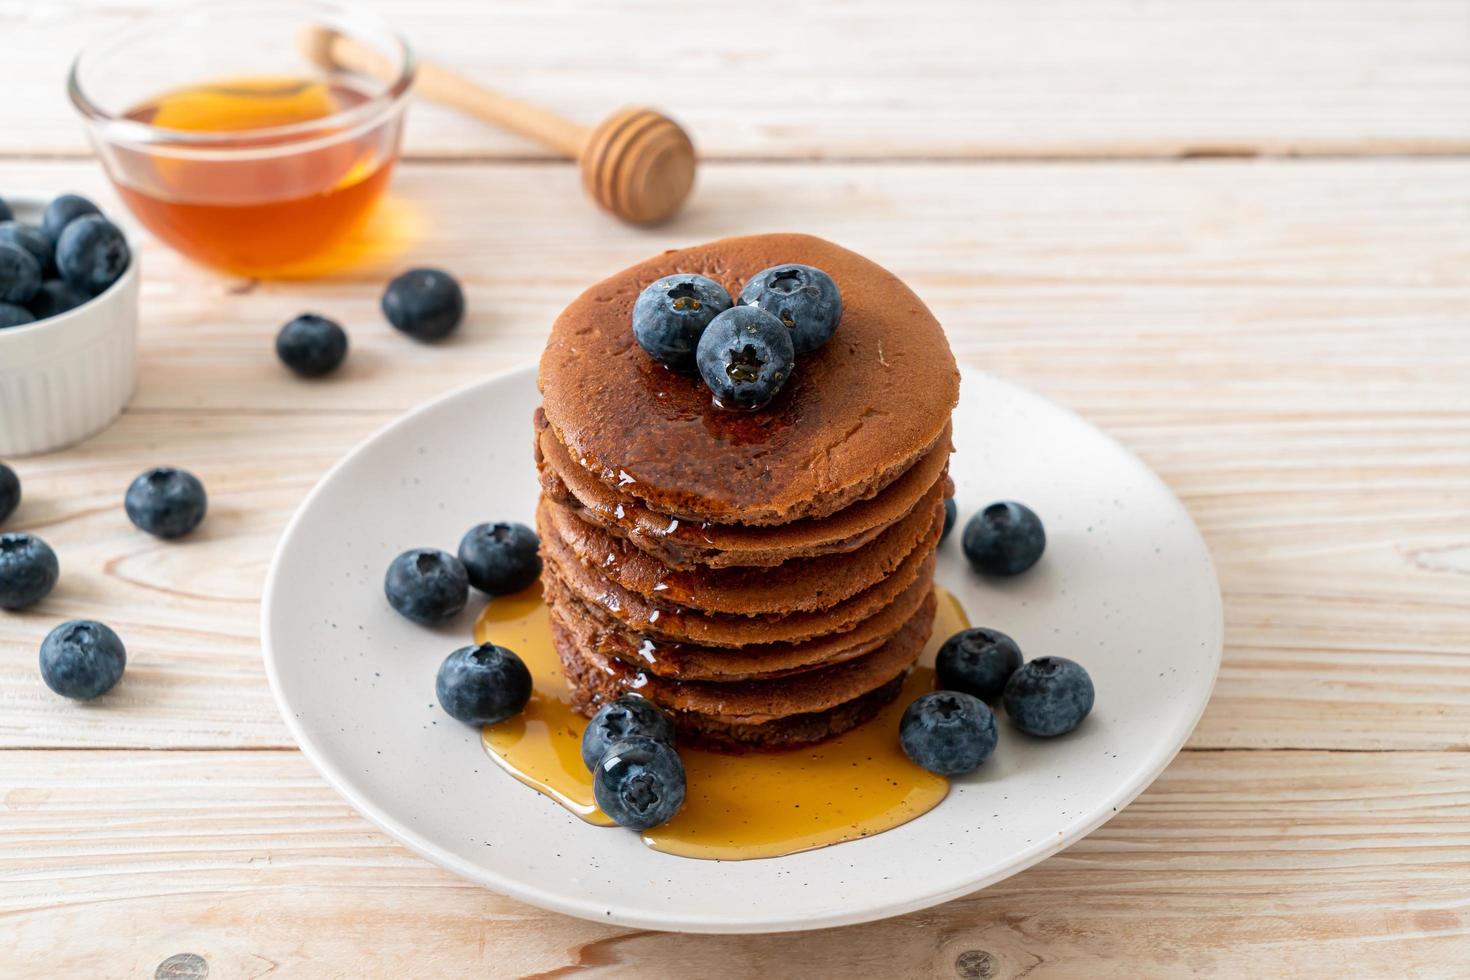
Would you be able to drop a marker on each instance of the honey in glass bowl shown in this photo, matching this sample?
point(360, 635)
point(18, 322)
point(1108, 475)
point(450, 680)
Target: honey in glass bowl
point(261, 173)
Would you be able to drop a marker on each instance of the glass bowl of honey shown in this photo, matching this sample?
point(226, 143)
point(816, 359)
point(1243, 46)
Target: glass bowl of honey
point(232, 140)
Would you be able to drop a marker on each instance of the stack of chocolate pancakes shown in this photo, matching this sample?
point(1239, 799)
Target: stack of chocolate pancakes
point(767, 576)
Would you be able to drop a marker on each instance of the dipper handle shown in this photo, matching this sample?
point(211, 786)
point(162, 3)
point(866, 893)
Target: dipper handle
point(637, 164)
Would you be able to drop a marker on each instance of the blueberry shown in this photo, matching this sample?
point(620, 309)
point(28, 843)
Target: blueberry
point(311, 345)
point(951, 513)
point(28, 570)
point(639, 782)
point(91, 254)
point(1005, 538)
point(14, 316)
point(166, 502)
point(82, 659)
point(671, 314)
point(1049, 696)
point(804, 299)
point(483, 685)
point(5, 213)
point(977, 661)
point(62, 211)
point(424, 303)
point(54, 298)
point(427, 586)
point(745, 356)
point(9, 492)
point(627, 716)
point(948, 732)
point(500, 558)
point(33, 240)
point(20, 274)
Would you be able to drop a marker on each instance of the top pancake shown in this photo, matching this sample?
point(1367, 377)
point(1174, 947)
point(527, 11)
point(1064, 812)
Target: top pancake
point(854, 416)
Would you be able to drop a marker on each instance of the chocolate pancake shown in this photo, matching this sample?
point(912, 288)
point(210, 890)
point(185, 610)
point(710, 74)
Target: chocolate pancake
point(719, 712)
point(800, 585)
point(682, 544)
point(855, 416)
point(592, 628)
point(669, 622)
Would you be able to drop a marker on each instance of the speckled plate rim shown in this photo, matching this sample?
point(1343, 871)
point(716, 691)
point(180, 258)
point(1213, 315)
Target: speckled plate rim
point(1146, 770)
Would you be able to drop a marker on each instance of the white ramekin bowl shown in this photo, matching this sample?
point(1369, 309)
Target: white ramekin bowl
point(64, 378)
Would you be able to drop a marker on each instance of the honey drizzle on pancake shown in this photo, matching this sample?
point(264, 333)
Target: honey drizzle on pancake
point(761, 804)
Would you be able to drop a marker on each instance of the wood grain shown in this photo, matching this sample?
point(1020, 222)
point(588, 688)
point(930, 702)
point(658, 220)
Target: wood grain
point(1286, 343)
point(1318, 864)
point(859, 79)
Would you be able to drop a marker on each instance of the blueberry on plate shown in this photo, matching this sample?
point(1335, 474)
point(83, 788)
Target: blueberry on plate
point(427, 585)
point(951, 513)
point(627, 716)
point(62, 211)
point(639, 782)
point(426, 304)
point(20, 274)
point(1005, 538)
point(91, 254)
point(671, 314)
point(15, 316)
point(82, 659)
point(54, 298)
point(501, 558)
point(166, 502)
point(483, 685)
point(745, 357)
point(977, 661)
point(803, 298)
point(5, 213)
point(1049, 696)
point(311, 345)
point(33, 240)
point(28, 570)
point(948, 732)
point(9, 492)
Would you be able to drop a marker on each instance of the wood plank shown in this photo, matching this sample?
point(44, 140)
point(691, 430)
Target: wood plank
point(1285, 343)
point(1234, 863)
point(854, 78)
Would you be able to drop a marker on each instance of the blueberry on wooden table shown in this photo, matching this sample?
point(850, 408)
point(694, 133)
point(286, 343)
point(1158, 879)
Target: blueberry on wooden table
point(165, 501)
point(62, 211)
point(745, 357)
point(28, 570)
point(82, 659)
point(9, 492)
point(803, 298)
point(639, 782)
point(1049, 696)
point(947, 732)
point(20, 274)
point(501, 558)
point(1005, 538)
point(92, 254)
point(977, 661)
point(33, 240)
point(629, 715)
point(15, 316)
point(671, 314)
point(426, 304)
point(312, 345)
point(483, 685)
point(427, 586)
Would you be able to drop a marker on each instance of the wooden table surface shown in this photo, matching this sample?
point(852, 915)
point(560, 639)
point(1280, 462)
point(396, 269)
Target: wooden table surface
point(1235, 235)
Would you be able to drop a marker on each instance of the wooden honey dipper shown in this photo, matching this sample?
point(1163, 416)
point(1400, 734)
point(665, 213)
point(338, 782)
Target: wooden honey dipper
point(637, 164)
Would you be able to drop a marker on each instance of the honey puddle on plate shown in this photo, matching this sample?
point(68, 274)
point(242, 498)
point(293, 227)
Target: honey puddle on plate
point(762, 804)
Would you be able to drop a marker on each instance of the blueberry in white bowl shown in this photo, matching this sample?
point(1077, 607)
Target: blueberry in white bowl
point(20, 274)
point(427, 586)
point(62, 211)
point(82, 659)
point(33, 240)
point(483, 685)
point(92, 254)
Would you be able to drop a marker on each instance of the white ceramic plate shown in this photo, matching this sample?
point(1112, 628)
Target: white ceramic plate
point(1126, 588)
